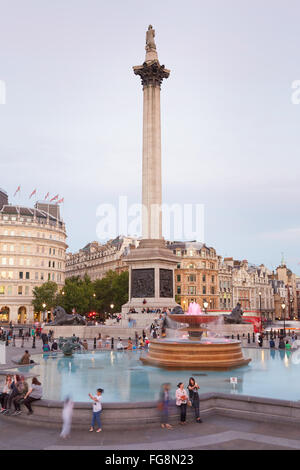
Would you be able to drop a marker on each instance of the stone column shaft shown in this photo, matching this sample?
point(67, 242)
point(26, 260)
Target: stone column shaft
point(152, 197)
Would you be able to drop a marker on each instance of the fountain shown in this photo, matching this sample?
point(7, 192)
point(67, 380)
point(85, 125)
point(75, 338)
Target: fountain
point(195, 351)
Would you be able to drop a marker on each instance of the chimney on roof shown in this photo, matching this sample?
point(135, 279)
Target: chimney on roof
point(3, 198)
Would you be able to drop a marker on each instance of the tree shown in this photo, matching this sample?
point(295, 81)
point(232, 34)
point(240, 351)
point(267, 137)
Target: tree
point(44, 294)
point(78, 294)
point(111, 289)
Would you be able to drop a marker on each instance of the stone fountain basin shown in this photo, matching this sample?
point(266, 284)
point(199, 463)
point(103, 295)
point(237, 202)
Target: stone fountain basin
point(194, 319)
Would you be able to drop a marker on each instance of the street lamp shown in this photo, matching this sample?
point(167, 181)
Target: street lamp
point(44, 312)
point(283, 309)
point(205, 305)
point(260, 305)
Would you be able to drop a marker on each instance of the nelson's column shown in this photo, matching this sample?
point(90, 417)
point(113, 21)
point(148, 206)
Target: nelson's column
point(151, 265)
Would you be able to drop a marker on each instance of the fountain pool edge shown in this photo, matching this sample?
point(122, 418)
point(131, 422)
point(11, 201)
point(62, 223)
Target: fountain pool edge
point(48, 413)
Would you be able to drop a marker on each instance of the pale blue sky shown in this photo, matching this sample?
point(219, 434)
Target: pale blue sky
point(73, 120)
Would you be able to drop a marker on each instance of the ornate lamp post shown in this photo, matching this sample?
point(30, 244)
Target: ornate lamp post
point(44, 312)
point(260, 305)
point(283, 310)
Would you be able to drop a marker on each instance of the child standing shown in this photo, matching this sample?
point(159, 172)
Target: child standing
point(97, 408)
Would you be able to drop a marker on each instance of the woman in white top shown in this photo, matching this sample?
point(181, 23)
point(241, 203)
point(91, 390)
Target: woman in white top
point(181, 401)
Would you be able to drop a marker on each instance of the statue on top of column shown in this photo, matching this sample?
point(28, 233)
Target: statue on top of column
point(150, 34)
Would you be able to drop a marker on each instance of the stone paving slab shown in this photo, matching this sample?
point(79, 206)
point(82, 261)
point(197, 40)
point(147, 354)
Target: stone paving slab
point(215, 433)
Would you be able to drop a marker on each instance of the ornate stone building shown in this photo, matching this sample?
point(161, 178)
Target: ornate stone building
point(96, 260)
point(225, 284)
point(32, 251)
point(196, 275)
point(289, 280)
point(250, 287)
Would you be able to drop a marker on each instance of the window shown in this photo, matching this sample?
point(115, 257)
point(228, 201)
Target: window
point(22, 248)
point(203, 264)
point(3, 261)
point(10, 274)
point(203, 278)
point(20, 275)
point(49, 264)
point(53, 264)
point(49, 276)
point(178, 278)
point(212, 290)
point(21, 261)
point(4, 247)
point(27, 275)
point(11, 261)
point(178, 290)
point(2, 290)
point(27, 290)
point(42, 276)
point(12, 248)
point(192, 278)
point(191, 266)
point(28, 262)
point(212, 279)
point(49, 251)
point(3, 274)
point(9, 290)
point(20, 290)
point(36, 276)
point(178, 265)
point(191, 290)
point(53, 276)
point(203, 290)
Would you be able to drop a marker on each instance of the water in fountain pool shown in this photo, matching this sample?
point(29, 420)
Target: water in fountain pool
point(125, 379)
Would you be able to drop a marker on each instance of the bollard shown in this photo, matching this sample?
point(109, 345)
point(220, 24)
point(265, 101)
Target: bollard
point(22, 345)
point(6, 341)
point(253, 338)
point(14, 340)
point(232, 336)
point(238, 337)
point(95, 345)
point(112, 343)
point(33, 342)
point(248, 338)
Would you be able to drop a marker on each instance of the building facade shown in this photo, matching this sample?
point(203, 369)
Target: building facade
point(32, 251)
point(95, 259)
point(196, 275)
point(251, 287)
point(225, 283)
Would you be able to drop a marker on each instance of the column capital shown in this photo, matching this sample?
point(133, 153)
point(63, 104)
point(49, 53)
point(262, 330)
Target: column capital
point(151, 73)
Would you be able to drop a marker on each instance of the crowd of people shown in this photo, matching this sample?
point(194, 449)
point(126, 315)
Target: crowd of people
point(16, 392)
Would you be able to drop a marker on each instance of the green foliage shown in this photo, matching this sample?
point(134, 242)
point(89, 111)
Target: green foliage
point(46, 293)
point(84, 295)
point(111, 289)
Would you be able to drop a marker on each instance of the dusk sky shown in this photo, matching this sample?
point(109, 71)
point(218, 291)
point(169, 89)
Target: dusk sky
point(72, 122)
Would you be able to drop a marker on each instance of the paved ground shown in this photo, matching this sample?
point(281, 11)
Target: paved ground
point(217, 432)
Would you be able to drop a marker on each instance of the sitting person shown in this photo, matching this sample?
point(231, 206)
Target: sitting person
point(25, 359)
point(54, 346)
point(120, 345)
point(129, 346)
point(85, 344)
point(22, 390)
point(46, 347)
point(6, 391)
point(33, 394)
